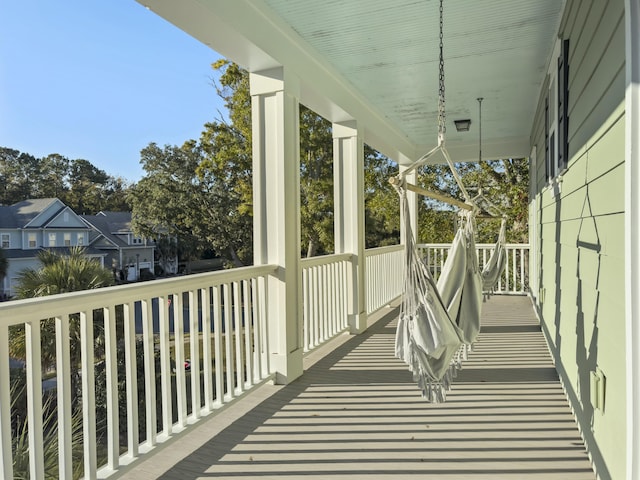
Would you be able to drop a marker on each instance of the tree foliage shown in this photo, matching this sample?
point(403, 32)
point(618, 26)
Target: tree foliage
point(382, 212)
point(166, 201)
point(78, 183)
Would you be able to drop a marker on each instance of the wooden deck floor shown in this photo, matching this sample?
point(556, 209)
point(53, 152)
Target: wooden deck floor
point(357, 414)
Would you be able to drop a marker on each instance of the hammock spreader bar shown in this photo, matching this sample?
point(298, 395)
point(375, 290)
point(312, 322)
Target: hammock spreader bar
point(431, 194)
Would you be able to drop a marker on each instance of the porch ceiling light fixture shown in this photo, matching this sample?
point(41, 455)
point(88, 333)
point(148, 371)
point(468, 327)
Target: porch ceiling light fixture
point(462, 125)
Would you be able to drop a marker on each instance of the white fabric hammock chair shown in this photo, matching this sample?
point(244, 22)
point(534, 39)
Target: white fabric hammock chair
point(460, 282)
point(495, 266)
point(426, 337)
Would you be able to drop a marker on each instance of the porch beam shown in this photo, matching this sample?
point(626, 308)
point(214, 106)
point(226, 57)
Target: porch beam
point(276, 214)
point(632, 233)
point(348, 171)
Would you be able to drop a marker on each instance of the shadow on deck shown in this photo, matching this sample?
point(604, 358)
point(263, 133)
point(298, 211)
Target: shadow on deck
point(356, 414)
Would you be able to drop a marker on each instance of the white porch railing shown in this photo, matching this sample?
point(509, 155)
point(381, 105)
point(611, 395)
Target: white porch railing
point(156, 357)
point(384, 269)
point(325, 294)
point(514, 278)
point(215, 320)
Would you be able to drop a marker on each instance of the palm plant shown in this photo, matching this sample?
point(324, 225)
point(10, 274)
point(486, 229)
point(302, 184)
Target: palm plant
point(20, 441)
point(58, 274)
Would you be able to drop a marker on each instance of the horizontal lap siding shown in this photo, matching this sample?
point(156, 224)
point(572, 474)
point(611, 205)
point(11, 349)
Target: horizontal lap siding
point(581, 227)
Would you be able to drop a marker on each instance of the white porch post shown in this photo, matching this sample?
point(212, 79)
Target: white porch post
point(412, 200)
point(632, 233)
point(276, 212)
point(348, 172)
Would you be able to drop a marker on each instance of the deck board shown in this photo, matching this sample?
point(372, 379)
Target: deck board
point(357, 414)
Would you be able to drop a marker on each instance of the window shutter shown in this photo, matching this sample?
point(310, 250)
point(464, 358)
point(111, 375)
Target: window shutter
point(547, 156)
point(563, 107)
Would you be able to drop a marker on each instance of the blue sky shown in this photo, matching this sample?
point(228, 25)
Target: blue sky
point(100, 80)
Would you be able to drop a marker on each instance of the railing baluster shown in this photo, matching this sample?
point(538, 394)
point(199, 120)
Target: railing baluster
point(237, 334)
point(218, 336)
point(263, 298)
point(194, 346)
point(34, 398)
point(247, 319)
point(178, 349)
point(88, 396)
point(228, 340)
point(522, 287)
point(315, 301)
point(205, 296)
point(111, 365)
point(306, 332)
point(63, 387)
point(165, 365)
point(151, 413)
point(131, 376)
point(257, 331)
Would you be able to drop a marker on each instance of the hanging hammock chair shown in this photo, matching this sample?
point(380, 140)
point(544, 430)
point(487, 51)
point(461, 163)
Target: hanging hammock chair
point(495, 266)
point(433, 329)
point(426, 338)
point(460, 283)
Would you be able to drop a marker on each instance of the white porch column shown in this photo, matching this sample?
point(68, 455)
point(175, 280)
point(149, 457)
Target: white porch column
point(348, 174)
point(412, 200)
point(632, 233)
point(276, 212)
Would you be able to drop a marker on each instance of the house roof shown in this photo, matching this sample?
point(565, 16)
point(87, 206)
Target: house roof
point(20, 214)
point(376, 61)
point(110, 225)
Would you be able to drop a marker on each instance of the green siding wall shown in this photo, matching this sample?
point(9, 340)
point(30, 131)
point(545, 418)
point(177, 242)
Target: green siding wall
point(580, 229)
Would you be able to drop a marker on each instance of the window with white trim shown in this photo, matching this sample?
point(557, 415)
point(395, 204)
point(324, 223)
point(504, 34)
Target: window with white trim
point(53, 239)
point(80, 240)
point(67, 239)
point(556, 113)
point(5, 240)
point(32, 240)
point(136, 240)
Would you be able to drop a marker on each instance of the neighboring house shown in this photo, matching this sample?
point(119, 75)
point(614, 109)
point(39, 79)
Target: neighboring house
point(126, 253)
point(32, 225)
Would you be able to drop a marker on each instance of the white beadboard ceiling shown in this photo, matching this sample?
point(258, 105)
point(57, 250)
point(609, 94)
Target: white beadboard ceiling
point(376, 61)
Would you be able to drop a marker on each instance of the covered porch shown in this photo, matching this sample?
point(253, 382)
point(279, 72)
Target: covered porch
point(345, 406)
point(356, 413)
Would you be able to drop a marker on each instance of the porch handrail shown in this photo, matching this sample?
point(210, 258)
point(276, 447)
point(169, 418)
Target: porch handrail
point(158, 320)
point(514, 279)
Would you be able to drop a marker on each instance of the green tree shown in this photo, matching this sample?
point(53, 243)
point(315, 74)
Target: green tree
point(53, 176)
point(167, 201)
point(316, 183)
point(382, 206)
point(227, 166)
point(18, 176)
point(115, 195)
point(86, 187)
point(505, 188)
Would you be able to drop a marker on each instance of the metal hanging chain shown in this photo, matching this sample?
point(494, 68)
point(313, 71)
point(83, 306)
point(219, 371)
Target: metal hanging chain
point(480, 128)
point(441, 104)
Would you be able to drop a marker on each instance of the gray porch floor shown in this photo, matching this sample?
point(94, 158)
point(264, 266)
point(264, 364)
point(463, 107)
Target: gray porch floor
point(357, 414)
